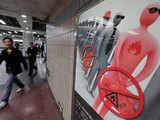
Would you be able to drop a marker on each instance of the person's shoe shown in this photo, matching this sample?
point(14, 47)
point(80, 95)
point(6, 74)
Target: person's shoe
point(19, 90)
point(3, 104)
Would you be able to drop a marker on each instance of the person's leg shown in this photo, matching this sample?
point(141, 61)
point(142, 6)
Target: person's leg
point(31, 64)
point(9, 84)
point(102, 66)
point(97, 102)
point(103, 111)
point(34, 66)
point(42, 54)
point(18, 83)
point(95, 83)
point(91, 78)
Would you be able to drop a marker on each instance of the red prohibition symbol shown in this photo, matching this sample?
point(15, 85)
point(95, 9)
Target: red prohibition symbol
point(120, 100)
point(87, 54)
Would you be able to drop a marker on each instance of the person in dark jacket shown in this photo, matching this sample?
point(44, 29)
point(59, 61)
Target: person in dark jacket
point(32, 54)
point(13, 58)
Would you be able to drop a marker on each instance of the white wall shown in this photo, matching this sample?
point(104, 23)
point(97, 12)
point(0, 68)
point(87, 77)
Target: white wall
point(60, 51)
point(1, 43)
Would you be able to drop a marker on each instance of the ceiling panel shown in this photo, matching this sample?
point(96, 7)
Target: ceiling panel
point(38, 24)
point(9, 21)
point(36, 8)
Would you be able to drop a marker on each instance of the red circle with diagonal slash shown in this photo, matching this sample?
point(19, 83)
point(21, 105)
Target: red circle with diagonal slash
point(93, 54)
point(110, 104)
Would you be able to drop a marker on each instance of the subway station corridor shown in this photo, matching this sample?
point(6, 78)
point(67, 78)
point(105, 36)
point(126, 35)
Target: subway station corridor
point(87, 60)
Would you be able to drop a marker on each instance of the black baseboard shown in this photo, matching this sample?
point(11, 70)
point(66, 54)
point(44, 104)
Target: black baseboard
point(83, 111)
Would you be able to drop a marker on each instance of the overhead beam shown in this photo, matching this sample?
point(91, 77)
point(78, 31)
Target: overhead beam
point(86, 4)
point(60, 10)
point(36, 14)
point(9, 28)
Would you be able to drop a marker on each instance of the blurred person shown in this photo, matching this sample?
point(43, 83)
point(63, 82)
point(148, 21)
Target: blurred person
point(13, 58)
point(38, 48)
point(32, 54)
point(17, 45)
point(42, 50)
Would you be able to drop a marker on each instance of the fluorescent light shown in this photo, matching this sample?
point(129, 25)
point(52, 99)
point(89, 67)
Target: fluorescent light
point(24, 16)
point(9, 32)
point(15, 31)
point(21, 30)
point(2, 22)
point(24, 21)
point(18, 40)
point(34, 32)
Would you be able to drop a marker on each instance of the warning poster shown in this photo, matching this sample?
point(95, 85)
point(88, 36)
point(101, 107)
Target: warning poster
point(118, 58)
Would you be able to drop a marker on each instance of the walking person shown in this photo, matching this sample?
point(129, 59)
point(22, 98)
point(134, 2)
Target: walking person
point(13, 58)
point(32, 54)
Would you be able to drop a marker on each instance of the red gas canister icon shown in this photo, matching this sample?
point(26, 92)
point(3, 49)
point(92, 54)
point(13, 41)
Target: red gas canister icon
point(89, 57)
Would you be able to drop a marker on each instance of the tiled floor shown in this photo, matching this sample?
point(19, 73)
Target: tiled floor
point(35, 104)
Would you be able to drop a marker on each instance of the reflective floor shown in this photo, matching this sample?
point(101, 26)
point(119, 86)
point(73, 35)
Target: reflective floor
point(36, 103)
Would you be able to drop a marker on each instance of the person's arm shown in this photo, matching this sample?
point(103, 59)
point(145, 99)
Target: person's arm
point(29, 52)
point(22, 59)
point(151, 63)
